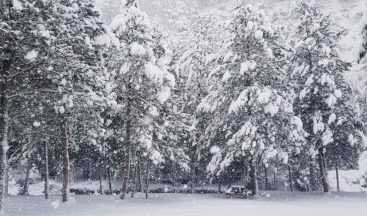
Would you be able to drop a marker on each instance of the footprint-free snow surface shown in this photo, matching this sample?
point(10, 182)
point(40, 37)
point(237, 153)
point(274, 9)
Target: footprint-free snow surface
point(268, 204)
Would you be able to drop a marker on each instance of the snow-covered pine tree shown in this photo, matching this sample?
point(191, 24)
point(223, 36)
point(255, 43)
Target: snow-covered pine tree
point(143, 85)
point(318, 72)
point(24, 46)
point(248, 107)
point(76, 74)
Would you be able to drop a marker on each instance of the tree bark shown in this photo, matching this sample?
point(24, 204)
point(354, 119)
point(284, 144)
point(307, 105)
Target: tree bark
point(25, 190)
point(6, 189)
point(323, 171)
point(337, 172)
point(147, 174)
point(127, 152)
point(109, 180)
point(3, 131)
point(290, 177)
point(65, 160)
point(140, 181)
point(253, 176)
point(312, 186)
point(266, 177)
point(46, 171)
point(100, 182)
point(337, 176)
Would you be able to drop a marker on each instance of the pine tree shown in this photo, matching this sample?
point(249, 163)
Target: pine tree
point(143, 85)
point(24, 45)
point(318, 72)
point(248, 106)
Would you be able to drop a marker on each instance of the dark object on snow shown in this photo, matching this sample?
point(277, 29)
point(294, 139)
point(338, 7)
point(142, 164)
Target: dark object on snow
point(82, 191)
point(238, 192)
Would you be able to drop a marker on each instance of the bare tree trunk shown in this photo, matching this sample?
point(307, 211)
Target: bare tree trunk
point(25, 190)
point(6, 189)
point(65, 160)
point(100, 183)
point(290, 176)
point(133, 172)
point(337, 178)
point(140, 181)
point(3, 132)
point(312, 186)
point(127, 152)
point(275, 181)
point(253, 176)
point(337, 172)
point(266, 177)
point(109, 180)
point(133, 181)
point(147, 174)
point(46, 171)
point(323, 171)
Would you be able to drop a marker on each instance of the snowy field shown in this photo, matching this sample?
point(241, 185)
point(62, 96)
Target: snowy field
point(269, 204)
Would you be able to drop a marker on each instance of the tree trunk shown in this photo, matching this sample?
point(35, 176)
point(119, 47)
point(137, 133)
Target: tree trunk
point(133, 172)
point(290, 177)
point(312, 186)
point(140, 181)
point(25, 190)
point(323, 171)
point(46, 171)
point(109, 180)
point(133, 181)
point(3, 132)
point(100, 182)
point(266, 178)
point(192, 170)
point(219, 188)
point(6, 189)
point(337, 176)
point(337, 172)
point(127, 152)
point(253, 176)
point(147, 174)
point(65, 160)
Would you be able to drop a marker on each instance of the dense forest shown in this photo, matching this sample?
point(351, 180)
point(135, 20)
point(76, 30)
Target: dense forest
point(235, 99)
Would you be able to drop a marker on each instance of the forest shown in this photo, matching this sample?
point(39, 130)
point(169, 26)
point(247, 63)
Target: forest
point(101, 93)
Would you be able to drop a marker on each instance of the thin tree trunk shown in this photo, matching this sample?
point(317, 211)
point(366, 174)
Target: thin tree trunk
point(147, 174)
point(253, 176)
point(275, 181)
point(6, 189)
point(192, 170)
point(65, 160)
point(127, 152)
point(133, 181)
point(3, 133)
point(109, 180)
point(46, 171)
point(337, 178)
point(100, 183)
point(290, 176)
point(220, 187)
point(133, 172)
point(266, 178)
point(25, 190)
point(140, 181)
point(312, 186)
point(323, 171)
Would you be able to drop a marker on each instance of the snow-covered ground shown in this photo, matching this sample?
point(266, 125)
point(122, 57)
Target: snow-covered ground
point(269, 204)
